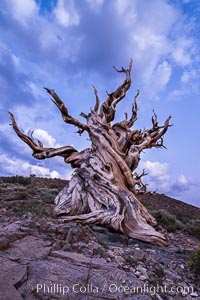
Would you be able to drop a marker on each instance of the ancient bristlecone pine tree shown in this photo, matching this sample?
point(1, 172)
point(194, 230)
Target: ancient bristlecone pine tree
point(103, 187)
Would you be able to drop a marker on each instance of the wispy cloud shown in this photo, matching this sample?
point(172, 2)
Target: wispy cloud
point(160, 179)
point(13, 165)
point(69, 45)
point(66, 14)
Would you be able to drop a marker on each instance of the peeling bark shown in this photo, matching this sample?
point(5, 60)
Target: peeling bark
point(103, 188)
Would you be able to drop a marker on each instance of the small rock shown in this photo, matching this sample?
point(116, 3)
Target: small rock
point(184, 293)
point(132, 270)
point(14, 236)
point(171, 293)
point(152, 264)
point(182, 267)
point(194, 294)
point(158, 297)
point(27, 230)
point(172, 276)
point(151, 250)
point(57, 245)
point(188, 297)
point(126, 268)
point(139, 254)
point(119, 259)
point(30, 223)
point(4, 243)
point(143, 277)
point(142, 270)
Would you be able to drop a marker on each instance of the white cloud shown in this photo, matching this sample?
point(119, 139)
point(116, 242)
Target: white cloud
point(188, 76)
point(16, 61)
point(22, 10)
point(189, 84)
point(182, 51)
point(160, 179)
point(152, 42)
point(178, 93)
point(126, 8)
point(163, 73)
point(156, 169)
point(145, 30)
point(158, 176)
point(158, 41)
point(66, 13)
point(180, 185)
point(48, 38)
point(160, 78)
point(182, 180)
point(150, 45)
point(15, 166)
point(45, 138)
point(36, 91)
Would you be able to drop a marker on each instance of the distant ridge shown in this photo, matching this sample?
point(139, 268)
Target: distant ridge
point(153, 201)
point(173, 206)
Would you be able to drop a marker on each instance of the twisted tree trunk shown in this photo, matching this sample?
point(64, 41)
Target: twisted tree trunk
point(103, 187)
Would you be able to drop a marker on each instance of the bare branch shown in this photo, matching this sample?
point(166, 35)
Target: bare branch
point(150, 138)
point(82, 114)
point(39, 151)
point(157, 135)
point(139, 176)
point(159, 144)
point(108, 107)
point(104, 187)
point(127, 124)
point(96, 107)
point(134, 111)
point(64, 111)
point(142, 187)
point(154, 121)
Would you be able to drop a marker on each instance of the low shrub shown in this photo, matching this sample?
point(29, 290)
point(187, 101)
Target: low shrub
point(194, 261)
point(17, 179)
point(38, 210)
point(167, 220)
point(182, 217)
point(32, 191)
point(193, 228)
point(22, 195)
point(48, 195)
point(159, 272)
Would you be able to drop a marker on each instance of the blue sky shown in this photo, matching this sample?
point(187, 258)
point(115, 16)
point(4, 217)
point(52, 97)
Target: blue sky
point(69, 45)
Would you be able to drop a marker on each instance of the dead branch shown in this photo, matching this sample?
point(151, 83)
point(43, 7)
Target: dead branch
point(39, 151)
point(103, 187)
point(97, 104)
point(64, 112)
point(108, 107)
point(133, 118)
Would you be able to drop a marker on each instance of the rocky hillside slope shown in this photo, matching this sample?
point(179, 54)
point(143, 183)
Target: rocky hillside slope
point(41, 258)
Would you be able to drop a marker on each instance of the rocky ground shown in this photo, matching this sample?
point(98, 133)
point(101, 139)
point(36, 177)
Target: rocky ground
point(41, 258)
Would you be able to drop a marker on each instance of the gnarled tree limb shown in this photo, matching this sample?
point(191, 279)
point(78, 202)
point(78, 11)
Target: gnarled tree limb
point(64, 112)
point(109, 105)
point(103, 187)
point(39, 151)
